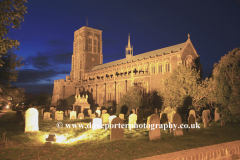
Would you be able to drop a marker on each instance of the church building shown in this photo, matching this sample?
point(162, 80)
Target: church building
point(110, 81)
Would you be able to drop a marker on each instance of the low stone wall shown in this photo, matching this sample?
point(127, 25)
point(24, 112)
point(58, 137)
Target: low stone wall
point(230, 153)
point(223, 151)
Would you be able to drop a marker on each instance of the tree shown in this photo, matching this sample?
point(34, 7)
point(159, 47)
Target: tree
point(8, 71)
point(44, 99)
point(132, 99)
point(14, 95)
point(226, 94)
point(12, 14)
point(184, 89)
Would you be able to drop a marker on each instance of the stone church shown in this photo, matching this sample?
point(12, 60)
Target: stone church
point(110, 81)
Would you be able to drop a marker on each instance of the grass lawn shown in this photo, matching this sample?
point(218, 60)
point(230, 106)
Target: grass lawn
point(88, 144)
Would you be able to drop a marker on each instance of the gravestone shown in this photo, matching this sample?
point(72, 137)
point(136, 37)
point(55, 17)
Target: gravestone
point(191, 123)
point(137, 111)
point(104, 111)
point(69, 111)
point(193, 113)
point(80, 116)
point(140, 115)
point(132, 120)
point(111, 118)
point(59, 115)
point(121, 116)
point(98, 108)
point(133, 111)
point(154, 130)
point(164, 118)
point(117, 132)
point(105, 117)
point(66, 113)
point(73, 115)
point(205, 118)
point(177, 121)
point(31, 121)
point(92, 116)
point(89, 112)
point(216, 115)
point(97, 123)
point(222, 123)
point(98, 112)
point(46, 116)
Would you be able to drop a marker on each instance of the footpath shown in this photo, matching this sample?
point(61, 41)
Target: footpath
point(223, 151)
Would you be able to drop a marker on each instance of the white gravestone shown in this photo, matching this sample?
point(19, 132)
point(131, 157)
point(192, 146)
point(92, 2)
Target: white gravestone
point(31, 122)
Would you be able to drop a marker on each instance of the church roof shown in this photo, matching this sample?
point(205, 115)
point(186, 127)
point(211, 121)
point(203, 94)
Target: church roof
point(158, 52)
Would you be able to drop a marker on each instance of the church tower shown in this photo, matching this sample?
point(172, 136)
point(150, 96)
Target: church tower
point(129, 49)
point(87, 52)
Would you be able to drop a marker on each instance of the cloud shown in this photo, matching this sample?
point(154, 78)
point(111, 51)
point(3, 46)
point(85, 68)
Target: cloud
point(49, 59)
point(35, 88)
point(33, 75)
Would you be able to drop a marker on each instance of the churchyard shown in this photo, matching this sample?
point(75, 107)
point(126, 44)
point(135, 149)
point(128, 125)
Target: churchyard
point(18, 142)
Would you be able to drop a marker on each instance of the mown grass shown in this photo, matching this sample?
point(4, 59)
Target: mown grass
point(96, 144)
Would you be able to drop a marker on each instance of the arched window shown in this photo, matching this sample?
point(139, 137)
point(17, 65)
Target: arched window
point(95, 45)
point(167, 66)
point(90, 44)
point(152, 68)
point(146, 68)
point(119, 92)
point(159, 67)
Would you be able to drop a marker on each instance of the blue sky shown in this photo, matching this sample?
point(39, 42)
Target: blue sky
point(46, 35)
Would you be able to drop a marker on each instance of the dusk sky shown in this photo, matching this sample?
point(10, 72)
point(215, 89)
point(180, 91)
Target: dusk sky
point(46, 35)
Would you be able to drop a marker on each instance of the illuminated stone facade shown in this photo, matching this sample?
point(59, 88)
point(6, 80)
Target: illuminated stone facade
point(110, 81)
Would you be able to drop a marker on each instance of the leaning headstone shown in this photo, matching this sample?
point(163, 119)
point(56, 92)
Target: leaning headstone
point(140, 115)
point(89, 112)
point(59, 115)
point(164, 118)
point(111, 118)
point(177, 121)
point(42, 112)
point(191, 123)
point(73, 115)
point(80, 116)
point(154, 131)
point(216, 115)
point(132, 121)
point(205, 118)
point(97, 123)
point(121, 116)
point(98, 112)
point(31, 122)
point(104, 111)
point(46, 116)
point(105, 118)
point(116, 132)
